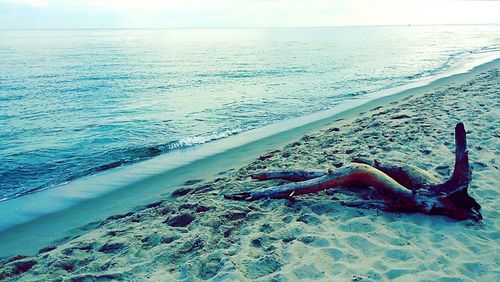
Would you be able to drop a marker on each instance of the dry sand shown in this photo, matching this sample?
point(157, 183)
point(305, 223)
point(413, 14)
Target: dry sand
point(201, 236)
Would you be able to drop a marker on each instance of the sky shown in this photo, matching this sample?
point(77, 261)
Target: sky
point(23, 14)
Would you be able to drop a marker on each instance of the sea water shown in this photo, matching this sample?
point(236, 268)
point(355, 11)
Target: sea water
point(78, 102)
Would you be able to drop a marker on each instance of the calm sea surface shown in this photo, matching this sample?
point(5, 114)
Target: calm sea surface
point(77, 102)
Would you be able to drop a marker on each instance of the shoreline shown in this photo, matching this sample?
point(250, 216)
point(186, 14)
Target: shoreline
point(202, 236)
point(80, 207)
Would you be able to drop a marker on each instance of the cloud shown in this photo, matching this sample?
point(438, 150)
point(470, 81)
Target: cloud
point(161, 5)
point(246, 13)
point(32, 3)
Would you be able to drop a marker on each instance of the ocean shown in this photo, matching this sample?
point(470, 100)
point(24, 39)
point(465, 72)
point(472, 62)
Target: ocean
point(74, 103)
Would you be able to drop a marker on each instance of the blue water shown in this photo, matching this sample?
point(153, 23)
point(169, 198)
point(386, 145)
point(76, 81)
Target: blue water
point(77, 102)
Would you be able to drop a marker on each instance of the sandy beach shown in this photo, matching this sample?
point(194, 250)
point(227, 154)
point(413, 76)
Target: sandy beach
point(196, 234)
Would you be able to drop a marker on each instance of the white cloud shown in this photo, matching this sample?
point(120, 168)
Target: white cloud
point(267, 13)
point(161, 5)
point(32, 3)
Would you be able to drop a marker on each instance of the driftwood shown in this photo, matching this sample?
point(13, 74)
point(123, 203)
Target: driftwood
point(401, 188)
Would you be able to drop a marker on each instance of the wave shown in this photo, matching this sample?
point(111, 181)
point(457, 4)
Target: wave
point(248, 73)
point(451, 60)
point(130, 156)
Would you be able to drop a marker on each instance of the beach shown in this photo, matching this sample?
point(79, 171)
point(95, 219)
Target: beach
point(196, 234)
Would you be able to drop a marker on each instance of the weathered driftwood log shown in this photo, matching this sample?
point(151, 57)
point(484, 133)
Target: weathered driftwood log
point(409, 176)
point(401, 188)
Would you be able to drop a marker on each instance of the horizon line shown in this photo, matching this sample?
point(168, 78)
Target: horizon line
point(242, 27)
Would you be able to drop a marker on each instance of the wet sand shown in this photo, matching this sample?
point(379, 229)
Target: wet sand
point(197, 235)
